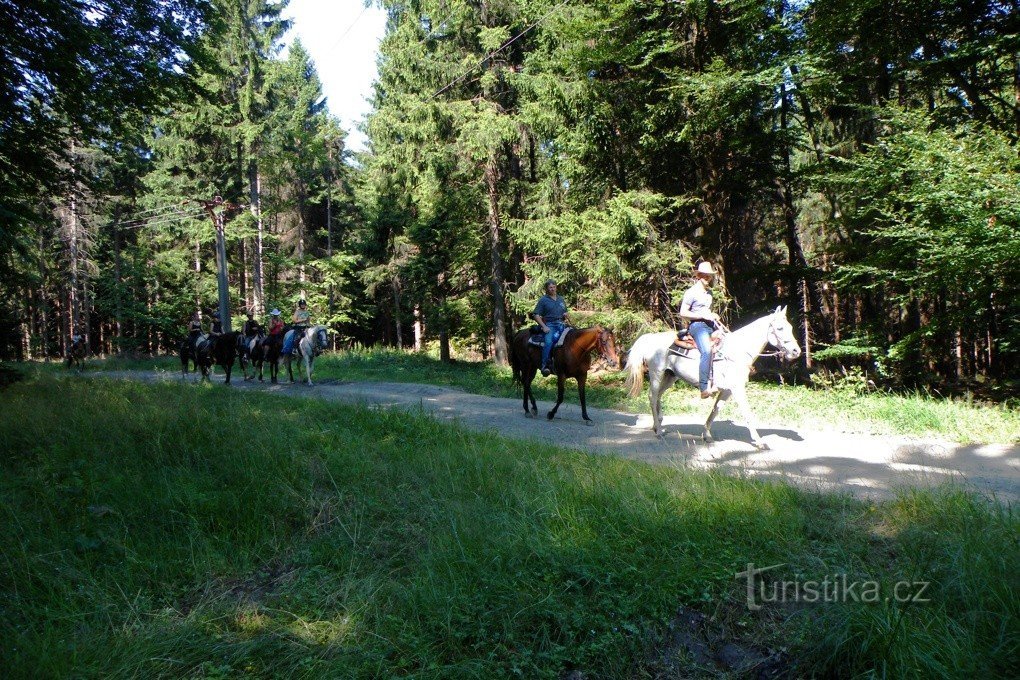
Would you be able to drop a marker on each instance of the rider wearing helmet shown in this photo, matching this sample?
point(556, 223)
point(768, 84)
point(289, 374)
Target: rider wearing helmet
point(551, 314)
point(302, 319)
point(696, 309)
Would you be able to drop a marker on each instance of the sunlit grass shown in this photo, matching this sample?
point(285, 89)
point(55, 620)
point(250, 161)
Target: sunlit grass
point(880, 413)
point(183, 530)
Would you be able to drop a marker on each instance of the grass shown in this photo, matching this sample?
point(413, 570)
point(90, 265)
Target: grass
point(845, 410)
point(198, 531)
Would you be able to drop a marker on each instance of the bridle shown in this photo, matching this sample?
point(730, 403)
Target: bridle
point(772, 337)
point(602, 340)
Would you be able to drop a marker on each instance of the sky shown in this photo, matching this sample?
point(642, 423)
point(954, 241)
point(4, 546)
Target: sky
point(342, 37)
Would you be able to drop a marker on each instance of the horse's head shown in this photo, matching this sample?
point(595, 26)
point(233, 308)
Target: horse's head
point(781, 335)
point(607, 347)
point(320, 338)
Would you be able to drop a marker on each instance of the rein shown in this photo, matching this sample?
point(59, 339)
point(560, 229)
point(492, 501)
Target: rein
point(752, 355)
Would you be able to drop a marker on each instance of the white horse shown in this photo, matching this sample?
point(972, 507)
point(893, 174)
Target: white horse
point(309, 347)
point(731, 368)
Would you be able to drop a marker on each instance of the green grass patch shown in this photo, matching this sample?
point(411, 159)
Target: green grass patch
point(846, 410)
point(181, 530)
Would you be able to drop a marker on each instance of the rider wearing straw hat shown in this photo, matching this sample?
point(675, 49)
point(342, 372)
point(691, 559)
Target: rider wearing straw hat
point(275, 323)
point(696, 308)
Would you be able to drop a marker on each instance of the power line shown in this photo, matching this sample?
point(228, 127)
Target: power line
point(160, 220)
point(348, 29)
point(502, 47)
point(159, 209)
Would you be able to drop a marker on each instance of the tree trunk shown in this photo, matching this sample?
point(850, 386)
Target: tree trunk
point(255, 199)
point(396, 313)
point(496, 260)
point(419, 330)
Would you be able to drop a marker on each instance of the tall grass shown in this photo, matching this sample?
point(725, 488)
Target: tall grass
point(845, 410)
point(179, 530)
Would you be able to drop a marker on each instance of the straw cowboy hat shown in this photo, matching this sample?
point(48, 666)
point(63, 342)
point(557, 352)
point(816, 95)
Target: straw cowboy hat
point(706, 268)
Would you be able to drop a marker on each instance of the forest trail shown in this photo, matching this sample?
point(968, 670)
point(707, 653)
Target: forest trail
point(866, 466)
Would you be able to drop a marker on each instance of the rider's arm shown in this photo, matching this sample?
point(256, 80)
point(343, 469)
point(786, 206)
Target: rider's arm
point(538, 318)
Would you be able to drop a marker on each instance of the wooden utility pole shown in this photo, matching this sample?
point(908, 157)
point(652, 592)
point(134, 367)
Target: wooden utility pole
point(219, 210)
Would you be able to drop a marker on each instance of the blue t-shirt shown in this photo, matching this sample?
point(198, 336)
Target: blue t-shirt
point(551, 310)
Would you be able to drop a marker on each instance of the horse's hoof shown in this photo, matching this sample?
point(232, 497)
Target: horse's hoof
point(550, 415)
point(534, 410)
point(529, 414)
point(589, 422)
point(761, 446)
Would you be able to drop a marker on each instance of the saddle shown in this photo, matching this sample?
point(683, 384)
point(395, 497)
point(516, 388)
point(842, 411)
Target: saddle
point(687, 344)
point(537, 337)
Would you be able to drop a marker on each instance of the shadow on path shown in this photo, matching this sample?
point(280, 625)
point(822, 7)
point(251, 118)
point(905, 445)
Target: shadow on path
point(866, 466)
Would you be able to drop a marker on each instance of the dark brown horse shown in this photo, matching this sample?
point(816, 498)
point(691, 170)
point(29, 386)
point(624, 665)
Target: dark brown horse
point(220, 349)
point(572, 361)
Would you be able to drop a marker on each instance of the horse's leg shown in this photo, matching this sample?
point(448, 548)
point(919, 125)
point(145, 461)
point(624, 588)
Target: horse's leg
point(308, 368)
point(561, 381)
point(532, 369)
point(290, 367)
point(655, 398)
point(581, 380)
point(716, 405)
point(745, 410)
point(526, 384)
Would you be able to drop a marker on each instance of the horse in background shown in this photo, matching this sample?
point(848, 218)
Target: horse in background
point(271, 350)
point(249, 349)
point(571, 360)
point(188, 353)
point(313, 341)
point(220, 350)
point(76, 352)
point(731, 367)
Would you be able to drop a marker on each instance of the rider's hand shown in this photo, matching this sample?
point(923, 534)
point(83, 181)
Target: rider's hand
point(712, 316)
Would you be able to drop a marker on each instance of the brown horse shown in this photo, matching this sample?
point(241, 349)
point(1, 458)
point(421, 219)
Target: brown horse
point(572, 361)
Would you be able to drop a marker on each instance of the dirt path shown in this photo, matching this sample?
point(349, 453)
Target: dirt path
point(867, 466)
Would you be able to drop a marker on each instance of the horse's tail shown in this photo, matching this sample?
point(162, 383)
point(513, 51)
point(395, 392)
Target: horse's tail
point(635, 370)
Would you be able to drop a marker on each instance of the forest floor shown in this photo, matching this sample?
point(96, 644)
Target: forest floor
point(868, 466)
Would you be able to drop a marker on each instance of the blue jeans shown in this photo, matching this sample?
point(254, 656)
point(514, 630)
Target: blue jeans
point(554, 327)
point(702, 333)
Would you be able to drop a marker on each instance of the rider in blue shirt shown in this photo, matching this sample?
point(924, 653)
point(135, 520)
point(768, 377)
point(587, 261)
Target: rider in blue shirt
point(551, 315)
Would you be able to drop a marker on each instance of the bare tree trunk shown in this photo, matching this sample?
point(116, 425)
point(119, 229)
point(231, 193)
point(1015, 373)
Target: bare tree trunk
point(198, 272)
point(255, 198)
point(444, 345)
point(242, 279)
point(496, 260)
point(118, 291)
point(396, 313)
point(419, 329)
